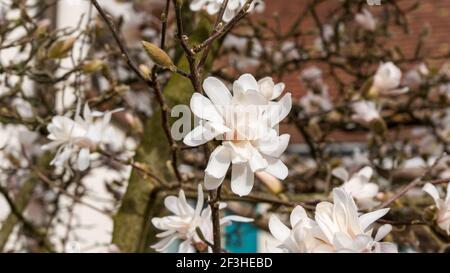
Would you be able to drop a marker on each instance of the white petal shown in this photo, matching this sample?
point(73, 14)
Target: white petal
point(233, 4)
point(340, 173)
point(297, 214)
point(324, 220)
point(257, 162)
point(197, 5)
point(277, 147)
point(164, 244)
point(200, 200)
point(248, 82)
point(242, 179)
point(213, 8)
point(165, 233)
point(279, 230)
point(203, 108)
point(367, 219)
point(366, 172)
point(276, 168)
point(170, 202)
point(235, 218)
point(343, 199)
point(388, 248)
point(217, 92)
point(183, 205)
point(278, 89)
point(382, 232)
point(212, 183)
point(219, 162)
point(281, 109)
point(432, 191)
point(83, 159)
point(199, 136)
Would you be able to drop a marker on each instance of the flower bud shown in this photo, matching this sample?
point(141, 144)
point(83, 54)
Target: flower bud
point(159, 56)
point(60, 49)
point(271, 182)
point(93, 66)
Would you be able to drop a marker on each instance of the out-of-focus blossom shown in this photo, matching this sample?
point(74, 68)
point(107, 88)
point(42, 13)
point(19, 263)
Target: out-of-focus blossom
point(312, 79)
point(358, 186)
point(325, 38)
point(387, 80)
point(185, 221)
point(140, 101)
point(245, 52)
point(336, 228)
point(313, 103)
point(443, 206)
point(287, 52)
point(317, 98)
point(365, 112)
point(245, 121)
point(15, 141)
point(366, 20)
point(76, 138)
point(415, 77)
point(23, 108)
point(233, 7)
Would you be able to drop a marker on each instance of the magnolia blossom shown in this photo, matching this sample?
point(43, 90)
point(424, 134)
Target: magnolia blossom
point(387, 79)
point(245, 122)
point(15, 141)
point(312, 79)
point(365, 112)
point(415, 77)
point(366, 20)
point(336, 228)
point(358, 186)
point(233, 7)
point(185, 221)
point(246, 52)
point(443, 206)
point(76, 138)
point(313, 103)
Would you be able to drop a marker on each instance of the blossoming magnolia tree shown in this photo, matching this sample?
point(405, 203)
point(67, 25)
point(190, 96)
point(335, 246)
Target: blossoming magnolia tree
point(193, 115)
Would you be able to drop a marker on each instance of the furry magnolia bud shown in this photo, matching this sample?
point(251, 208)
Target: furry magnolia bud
point(60, 49)
point(93, 66)
point(159, 56)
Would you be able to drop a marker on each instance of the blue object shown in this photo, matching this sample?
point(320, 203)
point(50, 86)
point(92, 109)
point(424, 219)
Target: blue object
point(241, 238)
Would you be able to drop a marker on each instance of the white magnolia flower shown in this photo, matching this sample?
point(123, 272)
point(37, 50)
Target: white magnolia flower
point(76, 139)
point(300, 238)
point(183, 224)
point(358, 186)
point(387, 79)
point(366, 20)
point(336, 228)
point(245, 122)
point(365, 112)
point(233, 7)
point(443, 206)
